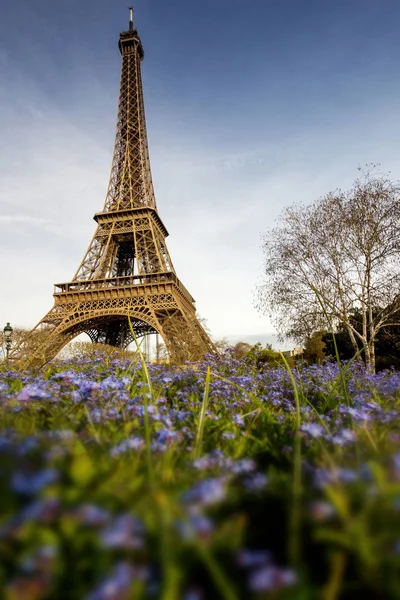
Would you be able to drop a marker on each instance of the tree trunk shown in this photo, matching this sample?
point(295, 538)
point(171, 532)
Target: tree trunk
point(372, 351)
point(353, 340)
point(367, 354)
point(371, 324)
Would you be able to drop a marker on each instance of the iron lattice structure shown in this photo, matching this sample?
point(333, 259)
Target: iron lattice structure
point(127, 273)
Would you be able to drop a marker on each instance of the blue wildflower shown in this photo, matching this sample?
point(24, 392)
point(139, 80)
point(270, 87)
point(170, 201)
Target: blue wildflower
point(238, 419)
point(167, 436)
point(43, 510)
point(313, 429)
point(207, 492)
point(325, 477)
point(193, 593)
point(345, 436)
point(33, 392)
point(244, 465)
point(86, 388)
point(321, 510)
point(133, 443)
point(67, 378)
point(119, 584)
point(255, 482)
point(30, 484)
point(92, 515)
point(253, 558)
point(125, 531)
point(195, 526)
point(270, 578)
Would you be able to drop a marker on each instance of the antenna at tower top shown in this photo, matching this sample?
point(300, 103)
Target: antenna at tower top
point(130, 18)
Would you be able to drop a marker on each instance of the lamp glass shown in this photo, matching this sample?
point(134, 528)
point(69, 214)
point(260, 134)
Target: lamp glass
point(7, 331)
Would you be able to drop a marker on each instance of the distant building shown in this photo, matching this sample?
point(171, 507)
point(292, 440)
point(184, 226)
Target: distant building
point(295, 353)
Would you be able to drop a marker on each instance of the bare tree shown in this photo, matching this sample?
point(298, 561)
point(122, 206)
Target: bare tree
point(338, 255)
point(89, 350)
point(18, 337)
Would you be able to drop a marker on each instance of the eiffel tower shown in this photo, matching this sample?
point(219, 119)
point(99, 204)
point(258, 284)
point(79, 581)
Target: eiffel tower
point(126, 285)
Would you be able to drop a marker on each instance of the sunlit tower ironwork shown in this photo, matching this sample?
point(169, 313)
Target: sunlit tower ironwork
point(126, 285)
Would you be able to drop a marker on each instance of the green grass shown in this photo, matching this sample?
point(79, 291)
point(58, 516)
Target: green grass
point(206, 481)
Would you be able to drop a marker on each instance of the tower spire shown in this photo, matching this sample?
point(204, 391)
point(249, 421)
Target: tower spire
point(130, 18)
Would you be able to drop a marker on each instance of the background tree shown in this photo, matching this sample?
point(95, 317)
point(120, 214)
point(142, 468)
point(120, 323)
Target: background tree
point(17, 339)
point(257, 355)
point(336, 256)
point(388, 348)
point(387, 344)
point(221, 344)
point(314, 348)
point(241, 349)
point(89, 350)
point(265, 357)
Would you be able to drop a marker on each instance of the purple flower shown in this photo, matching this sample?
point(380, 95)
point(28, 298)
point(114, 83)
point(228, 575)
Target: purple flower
point(238, 419)
point(4, 388)
point(255, 482)
point(133, 443)
point(195, 526)
point(33, 392)
point(359, 414)
point(67, 378)
point(321, 511)
point(151, 410)
point(27, 445)
point(118, 585)
point(203, 463)
point(125, 531)
point(313, 429)
point(32, 483)
point(253, 558)
point(44, 510)
point(207, 492)
point(167, 436)
point(396, 466)
point(113, 383)
point(345, 436)
point(325, 477)
point(92, 515)
point(271, 578)
point(244, 465)
point(86, 388)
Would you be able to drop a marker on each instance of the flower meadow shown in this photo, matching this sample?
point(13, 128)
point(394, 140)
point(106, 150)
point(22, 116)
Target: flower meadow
point(123, 480)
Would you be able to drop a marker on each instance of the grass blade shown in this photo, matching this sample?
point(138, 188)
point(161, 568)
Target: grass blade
point(200, 428)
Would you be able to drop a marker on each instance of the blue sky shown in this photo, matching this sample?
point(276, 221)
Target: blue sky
point(250, 106)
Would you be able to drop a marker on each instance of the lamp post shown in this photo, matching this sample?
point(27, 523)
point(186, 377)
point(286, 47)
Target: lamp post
point(7, 337)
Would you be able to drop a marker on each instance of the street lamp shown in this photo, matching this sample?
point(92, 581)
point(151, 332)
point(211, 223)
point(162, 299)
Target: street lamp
point(7, 337)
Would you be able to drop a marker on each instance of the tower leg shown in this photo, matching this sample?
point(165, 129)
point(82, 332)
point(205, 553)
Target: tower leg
point(183, 335)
